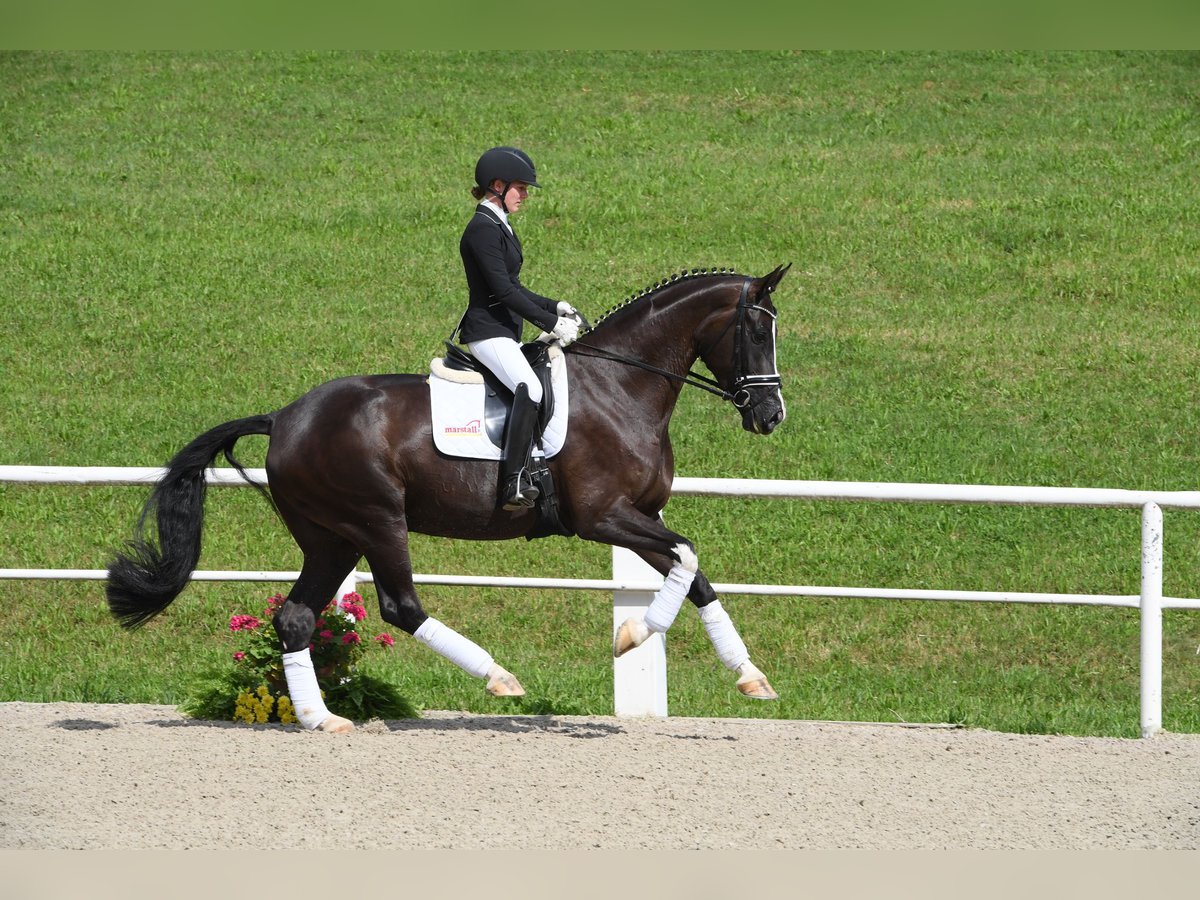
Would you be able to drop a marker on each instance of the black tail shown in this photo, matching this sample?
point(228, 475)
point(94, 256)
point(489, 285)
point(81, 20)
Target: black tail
point(144, 579)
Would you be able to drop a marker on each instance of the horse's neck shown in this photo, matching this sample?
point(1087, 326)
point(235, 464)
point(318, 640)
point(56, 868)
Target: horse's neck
point(661, 333)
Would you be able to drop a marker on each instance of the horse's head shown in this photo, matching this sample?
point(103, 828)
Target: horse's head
point(726, 320)
point(742, 354)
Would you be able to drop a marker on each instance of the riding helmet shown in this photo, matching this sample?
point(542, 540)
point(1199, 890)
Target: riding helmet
point(507, 164)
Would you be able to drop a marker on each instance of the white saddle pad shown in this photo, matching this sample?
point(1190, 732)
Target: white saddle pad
point(456, 399)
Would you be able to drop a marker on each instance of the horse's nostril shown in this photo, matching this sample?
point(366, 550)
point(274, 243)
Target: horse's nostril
point(772, 423)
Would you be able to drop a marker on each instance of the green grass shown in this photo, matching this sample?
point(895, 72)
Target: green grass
point(995, 280)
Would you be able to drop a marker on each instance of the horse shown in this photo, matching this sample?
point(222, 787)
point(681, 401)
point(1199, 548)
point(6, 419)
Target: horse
point(352, 469)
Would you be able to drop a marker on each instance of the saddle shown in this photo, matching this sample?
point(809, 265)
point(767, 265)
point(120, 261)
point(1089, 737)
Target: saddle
point(498, 399)
point(470, 407)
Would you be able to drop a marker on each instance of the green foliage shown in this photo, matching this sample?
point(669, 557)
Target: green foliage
point(214, 695)
point(365, 697)
point(995, 279)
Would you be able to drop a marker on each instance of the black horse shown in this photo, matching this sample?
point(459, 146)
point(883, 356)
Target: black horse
point(352, 469)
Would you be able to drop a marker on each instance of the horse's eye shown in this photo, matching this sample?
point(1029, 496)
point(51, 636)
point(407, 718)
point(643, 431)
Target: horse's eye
point(759, 336)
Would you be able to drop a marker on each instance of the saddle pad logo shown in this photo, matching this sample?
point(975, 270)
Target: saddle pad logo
point(471, 429)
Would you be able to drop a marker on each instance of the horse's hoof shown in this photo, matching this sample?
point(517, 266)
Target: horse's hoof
point(336, 725)
point(504, 684)
point(632, 633)
point(758, 689)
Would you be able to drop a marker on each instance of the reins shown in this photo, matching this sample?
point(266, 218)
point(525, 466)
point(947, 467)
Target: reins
point(691, 378)
point(740, 396)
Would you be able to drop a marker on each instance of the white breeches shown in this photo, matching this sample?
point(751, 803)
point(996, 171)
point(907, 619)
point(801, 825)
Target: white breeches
point(504, 358)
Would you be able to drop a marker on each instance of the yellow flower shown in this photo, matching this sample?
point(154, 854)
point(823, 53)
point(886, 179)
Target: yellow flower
point(244, 709)
point(286, 712)
point(255, 708)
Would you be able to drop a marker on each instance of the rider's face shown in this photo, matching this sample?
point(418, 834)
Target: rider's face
point(514, 196)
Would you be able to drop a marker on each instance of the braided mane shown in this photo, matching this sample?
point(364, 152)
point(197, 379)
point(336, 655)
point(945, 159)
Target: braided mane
point(650, 290)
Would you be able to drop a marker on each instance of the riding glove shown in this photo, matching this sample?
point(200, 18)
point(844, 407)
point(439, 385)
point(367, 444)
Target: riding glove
point(566, 330)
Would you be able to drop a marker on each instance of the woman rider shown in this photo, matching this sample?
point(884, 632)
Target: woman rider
point(499, 306)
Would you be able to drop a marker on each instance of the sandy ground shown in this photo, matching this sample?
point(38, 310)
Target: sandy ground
point(127, 777)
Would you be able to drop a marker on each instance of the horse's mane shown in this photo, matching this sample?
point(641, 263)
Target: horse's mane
point(650, 290)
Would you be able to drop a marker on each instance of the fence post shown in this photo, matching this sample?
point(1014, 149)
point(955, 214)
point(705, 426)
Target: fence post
point(349, 585)
point(1151, 619)
point(640, 676)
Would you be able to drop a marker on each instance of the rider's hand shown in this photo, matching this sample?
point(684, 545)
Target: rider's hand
point(566, 309)
point(566, 330)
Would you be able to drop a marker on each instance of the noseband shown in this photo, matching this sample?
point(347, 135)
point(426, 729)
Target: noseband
point(742, 383)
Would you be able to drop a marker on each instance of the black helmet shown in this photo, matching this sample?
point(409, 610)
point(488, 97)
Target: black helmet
point(508, 164)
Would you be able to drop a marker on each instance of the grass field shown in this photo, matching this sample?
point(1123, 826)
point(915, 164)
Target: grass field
point(996, 264)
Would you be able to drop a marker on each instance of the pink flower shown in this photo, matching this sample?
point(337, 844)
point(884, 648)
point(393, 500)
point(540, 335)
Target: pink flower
point(243, 623)
point(239, 656)
point(386, 639)
point(327, 635)
point(351, 637)
point(353, 609)
point(320, 623)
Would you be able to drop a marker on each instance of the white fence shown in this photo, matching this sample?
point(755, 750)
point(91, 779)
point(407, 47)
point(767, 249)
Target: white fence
point(640, 677)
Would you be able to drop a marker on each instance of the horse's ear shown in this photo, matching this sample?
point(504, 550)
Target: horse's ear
point(772, 279)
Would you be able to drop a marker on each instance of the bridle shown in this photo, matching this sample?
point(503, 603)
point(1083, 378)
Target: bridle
point(742, 382)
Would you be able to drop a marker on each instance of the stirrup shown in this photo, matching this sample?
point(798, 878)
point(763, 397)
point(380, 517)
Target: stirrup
point(520, 492)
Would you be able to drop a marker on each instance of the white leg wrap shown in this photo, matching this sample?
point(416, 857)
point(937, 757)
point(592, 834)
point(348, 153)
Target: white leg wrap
point(665, 606)
point(447, 642)
point(748, 671)
point(729, 645)
point(303, 689)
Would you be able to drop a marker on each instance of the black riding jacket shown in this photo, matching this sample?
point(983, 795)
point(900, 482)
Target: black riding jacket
point(499, 304)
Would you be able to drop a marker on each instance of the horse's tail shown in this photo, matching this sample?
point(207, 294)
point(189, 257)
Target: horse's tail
point(144, 579)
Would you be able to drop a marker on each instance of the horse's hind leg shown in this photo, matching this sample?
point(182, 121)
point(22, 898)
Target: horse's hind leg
point(400, 606)
point(327, 560)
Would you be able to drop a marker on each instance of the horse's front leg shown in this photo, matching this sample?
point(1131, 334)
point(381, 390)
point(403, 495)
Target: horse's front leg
point(730, 647)
point(623, 525)
point(675, 557)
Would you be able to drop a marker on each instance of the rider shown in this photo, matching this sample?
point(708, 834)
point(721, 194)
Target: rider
point(499, 305)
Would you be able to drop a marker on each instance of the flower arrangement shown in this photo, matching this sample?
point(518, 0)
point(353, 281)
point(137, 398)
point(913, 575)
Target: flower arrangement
point(254, 690)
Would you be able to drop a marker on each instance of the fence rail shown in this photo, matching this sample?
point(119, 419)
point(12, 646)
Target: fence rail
point(639, 677)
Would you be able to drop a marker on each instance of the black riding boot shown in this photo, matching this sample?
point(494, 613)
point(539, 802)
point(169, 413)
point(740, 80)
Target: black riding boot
point(517, 491)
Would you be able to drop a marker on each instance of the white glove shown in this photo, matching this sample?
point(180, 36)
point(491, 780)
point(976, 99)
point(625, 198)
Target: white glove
point(566, 309)
point(565, 330)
